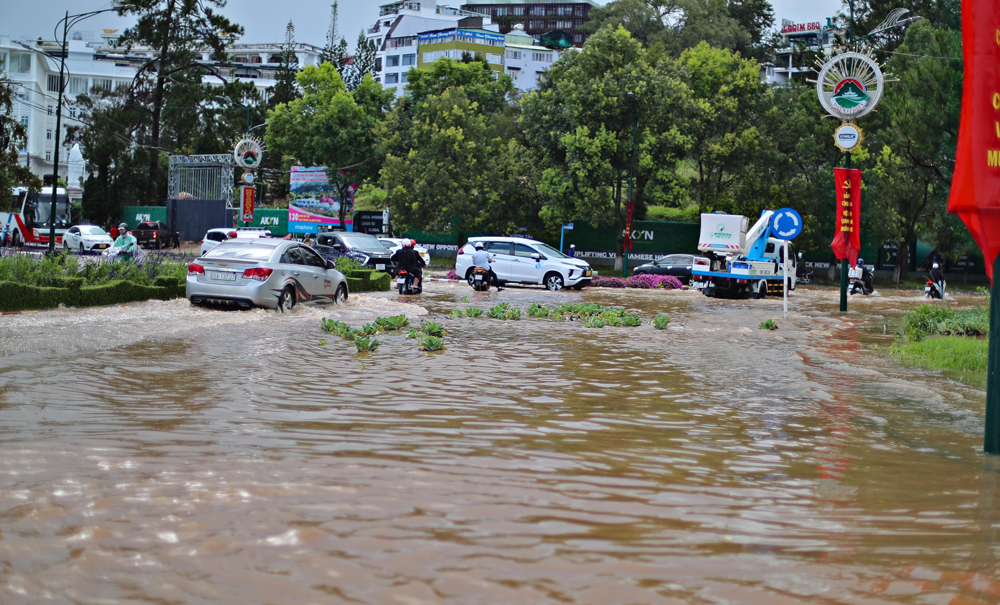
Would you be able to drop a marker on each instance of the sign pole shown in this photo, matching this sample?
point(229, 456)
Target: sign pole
point(562, 235)
point(843, 262)
point(991, 441)
point(787, 283)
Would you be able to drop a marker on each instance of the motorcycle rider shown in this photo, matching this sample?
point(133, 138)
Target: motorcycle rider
point(481, 260)
point(937, 276)
point(865, 275)
point(125, 242)
point(409, 260)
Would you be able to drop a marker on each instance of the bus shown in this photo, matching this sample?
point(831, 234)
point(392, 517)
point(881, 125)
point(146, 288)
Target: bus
point(25, 215)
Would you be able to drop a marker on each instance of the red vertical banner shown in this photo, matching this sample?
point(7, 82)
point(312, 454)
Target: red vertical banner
point(975, 186)
point(847, 238)
point(246, 208)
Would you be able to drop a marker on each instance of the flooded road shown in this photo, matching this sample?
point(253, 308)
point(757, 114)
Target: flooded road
point(161, 453)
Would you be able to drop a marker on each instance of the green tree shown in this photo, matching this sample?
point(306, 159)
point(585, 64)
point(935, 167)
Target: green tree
point(580, 122)
point(647, 20)
point(335, 51)
point(285, 89)
point(13, 136)
point(329, 126)
point(177, 30)
point(364, 62)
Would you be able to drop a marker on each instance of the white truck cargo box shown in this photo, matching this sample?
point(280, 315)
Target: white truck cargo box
point(723, 233)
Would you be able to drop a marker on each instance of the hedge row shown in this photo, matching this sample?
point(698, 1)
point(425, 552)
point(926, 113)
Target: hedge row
point(20, 297)
point(368, 281)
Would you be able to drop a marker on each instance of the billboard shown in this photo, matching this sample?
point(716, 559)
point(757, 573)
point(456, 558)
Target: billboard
point(313, 204)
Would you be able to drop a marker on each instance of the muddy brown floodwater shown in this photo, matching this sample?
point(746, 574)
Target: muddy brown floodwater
point(166, 454)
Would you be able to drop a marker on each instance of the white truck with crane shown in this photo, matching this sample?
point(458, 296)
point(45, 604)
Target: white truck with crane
point(740, 261)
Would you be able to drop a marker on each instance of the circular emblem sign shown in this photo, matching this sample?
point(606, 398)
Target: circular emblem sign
point(248, 153)
point(850, 85)
point(848, 137)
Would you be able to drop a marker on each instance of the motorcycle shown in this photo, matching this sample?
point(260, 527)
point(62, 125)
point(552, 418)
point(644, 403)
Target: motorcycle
point(480, 280)
point(934, 290)
point(404, 281)
point(115, 253)
point(858, 284)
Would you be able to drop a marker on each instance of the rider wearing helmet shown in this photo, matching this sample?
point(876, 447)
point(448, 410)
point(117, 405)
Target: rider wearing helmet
point(937, 276)
point(407, 259)
point(126, 242)
point(481, 260)
point(864, 275)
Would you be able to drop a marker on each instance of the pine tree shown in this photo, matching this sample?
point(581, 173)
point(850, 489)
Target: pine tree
point(335, 51)
point(285, 89)
point(364, 62)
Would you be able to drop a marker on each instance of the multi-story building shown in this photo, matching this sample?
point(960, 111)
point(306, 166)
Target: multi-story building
point(395, 35)
point(455, 42)
point(537, 16)
point(799, 41)
point(525, 61)
point(33, 67)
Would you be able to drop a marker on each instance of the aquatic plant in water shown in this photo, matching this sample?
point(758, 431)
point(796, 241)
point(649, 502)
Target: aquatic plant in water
point(365, 345)
point(473, 312)
point(768, 324)
point(660, 322)
point(537, 310)
point(456, 314)
point(431, 343)
point(393, 323)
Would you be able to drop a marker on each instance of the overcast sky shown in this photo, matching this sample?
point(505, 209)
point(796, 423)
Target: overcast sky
point(265, 23)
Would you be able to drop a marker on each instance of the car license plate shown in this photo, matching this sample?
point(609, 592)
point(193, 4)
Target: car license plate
point(479, 278)
point(587, 273)
point(222, 276)
point(102, 246)
point(401, 281)
point(380, 267)
point(700, 284)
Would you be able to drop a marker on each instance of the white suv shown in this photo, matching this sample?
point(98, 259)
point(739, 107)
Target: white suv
point(216, 236)
point(520, 260)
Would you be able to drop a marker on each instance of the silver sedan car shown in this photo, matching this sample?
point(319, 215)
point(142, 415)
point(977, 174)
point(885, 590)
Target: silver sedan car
point(269, 273)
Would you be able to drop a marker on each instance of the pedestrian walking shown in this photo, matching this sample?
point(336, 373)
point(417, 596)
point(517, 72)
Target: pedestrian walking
point(572, 251)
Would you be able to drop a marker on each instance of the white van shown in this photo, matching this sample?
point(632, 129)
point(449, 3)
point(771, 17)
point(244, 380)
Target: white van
point(518, 260)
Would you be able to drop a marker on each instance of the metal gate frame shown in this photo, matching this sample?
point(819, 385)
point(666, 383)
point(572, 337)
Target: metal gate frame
point(207, 177)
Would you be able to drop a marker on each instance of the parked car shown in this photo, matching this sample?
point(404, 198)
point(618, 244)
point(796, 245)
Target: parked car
point(526, 261)
point(214, 236)
point(363, 247)
point(678, 265)
point(153, 234)
point(395, 243)
point(86, 238)
point(269, 273)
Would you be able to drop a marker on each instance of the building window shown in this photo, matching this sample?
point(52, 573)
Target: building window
point(50, 109)
point(77, 86)
point(24, 120)
point(402, 42)
point(48, 156)
point(53, 83)
point(409, 60)
point(518, 11)
point(392, 78)
point(496, 75)
point(514, 71)
point(392, 61)
point(104, 83)
point(403, 79)
point(541, 57)
point(494, 59)
point(514, 55)
point(577, 38)
point(20, 63)
point(72, 112)
point(537, 11)
point(48, 134)
point(378, 64)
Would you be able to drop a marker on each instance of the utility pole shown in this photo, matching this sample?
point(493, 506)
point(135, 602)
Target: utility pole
point(631, 176)
point(55, 152)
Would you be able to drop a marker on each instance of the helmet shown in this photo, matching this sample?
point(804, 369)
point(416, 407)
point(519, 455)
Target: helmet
point(123, 226)
point(572, 245)
point(413, 242)
point(406, 243)
point(861, 261)
point(478, 245)
point(935, 266)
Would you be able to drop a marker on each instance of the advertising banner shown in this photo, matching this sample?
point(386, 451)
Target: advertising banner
point(313, 204)
point(246, 203)
point(975, 186)
point(369, 222)
point(847, 239)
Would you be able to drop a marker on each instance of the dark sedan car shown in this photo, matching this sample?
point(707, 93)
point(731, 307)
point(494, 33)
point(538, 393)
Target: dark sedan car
point(678, 265)
point(365, 248)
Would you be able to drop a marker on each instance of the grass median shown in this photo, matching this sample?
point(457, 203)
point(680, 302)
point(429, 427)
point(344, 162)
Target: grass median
point(940, 338)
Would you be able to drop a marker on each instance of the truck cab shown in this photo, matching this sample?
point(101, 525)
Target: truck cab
point(741, 260)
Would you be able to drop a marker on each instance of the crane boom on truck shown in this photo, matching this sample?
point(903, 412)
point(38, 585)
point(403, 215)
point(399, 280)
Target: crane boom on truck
point(740, 260)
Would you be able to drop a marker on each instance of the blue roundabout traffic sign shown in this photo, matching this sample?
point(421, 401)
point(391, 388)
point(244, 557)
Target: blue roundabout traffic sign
point(786, 224)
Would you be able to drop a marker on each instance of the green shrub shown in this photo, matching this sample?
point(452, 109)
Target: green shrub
point(768, 324)
point(431, 343)
point(660, 322)
point(346, 264)
point(927, 320)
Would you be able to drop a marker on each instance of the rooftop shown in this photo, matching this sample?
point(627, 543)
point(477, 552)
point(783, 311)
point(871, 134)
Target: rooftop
point(478, 2)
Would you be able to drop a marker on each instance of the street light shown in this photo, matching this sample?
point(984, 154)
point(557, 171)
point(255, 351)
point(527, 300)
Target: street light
point(240, 105)
point(68, 21)
point(631, 172)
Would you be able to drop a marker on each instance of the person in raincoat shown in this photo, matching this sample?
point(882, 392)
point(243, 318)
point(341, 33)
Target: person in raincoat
point(126, 242)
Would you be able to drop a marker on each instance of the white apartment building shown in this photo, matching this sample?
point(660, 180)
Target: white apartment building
point(395, 35)
point(525, 62)
point(797, 37)
point(33, 66)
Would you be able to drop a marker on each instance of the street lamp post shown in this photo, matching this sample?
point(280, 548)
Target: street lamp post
point(68, 21)
point(631, 174)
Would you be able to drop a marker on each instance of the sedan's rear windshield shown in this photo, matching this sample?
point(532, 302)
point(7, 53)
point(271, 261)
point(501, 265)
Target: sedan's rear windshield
point(241, 251)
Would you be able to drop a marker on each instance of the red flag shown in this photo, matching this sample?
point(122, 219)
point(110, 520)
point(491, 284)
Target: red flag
point(975, 186)
point(847, 240)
